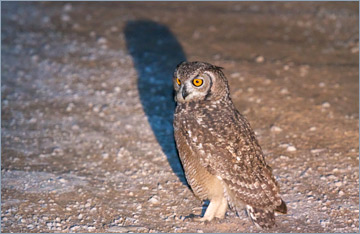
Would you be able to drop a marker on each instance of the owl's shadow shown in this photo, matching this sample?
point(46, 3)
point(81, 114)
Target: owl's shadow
point(156, 52)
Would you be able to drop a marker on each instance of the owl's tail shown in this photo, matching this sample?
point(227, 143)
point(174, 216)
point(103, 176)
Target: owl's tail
point(264, 219)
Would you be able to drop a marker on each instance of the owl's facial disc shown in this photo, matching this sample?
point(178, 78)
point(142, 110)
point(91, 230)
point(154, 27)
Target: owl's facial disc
point(194, 88)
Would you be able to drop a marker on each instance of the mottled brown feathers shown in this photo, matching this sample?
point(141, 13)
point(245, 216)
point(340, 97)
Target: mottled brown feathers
point(221, 156)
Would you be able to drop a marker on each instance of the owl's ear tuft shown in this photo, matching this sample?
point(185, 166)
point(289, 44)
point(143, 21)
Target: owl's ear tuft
point(218, 68)
point(177, 66)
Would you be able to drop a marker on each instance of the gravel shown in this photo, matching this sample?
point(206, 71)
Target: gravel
point(87, 107)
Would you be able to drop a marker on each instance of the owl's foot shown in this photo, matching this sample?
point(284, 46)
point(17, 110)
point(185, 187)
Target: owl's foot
point(192, 217)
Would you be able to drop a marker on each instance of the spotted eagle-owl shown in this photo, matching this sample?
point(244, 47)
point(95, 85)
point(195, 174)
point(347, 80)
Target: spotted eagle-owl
point(222, 159)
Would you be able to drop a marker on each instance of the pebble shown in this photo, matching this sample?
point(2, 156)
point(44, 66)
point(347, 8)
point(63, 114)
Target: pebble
point(260, 59)
point(338, 184)
point(275, 129)
point(65, 18)
point(75, 127)
point(117, 89)
point(32, 120)
point(35, 58)
point(341, 193)
point(105, 155)
point(291, 148)
point(284, 91)
point(114, 29)
point(74, 227)
point(316, 151)
point(67, 7)
point(70, 107)
point(312, 129)
point(325, 105)
point(154, 200)
point(324, 223)
point(102, 40)
point(235, 75)
point(96, 109)
point(321, 84)
point(80, 216)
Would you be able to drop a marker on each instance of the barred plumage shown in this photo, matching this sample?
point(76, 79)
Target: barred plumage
point(222, 159)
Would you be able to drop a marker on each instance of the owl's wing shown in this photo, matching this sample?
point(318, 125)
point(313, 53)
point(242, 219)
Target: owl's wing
point(230, 151)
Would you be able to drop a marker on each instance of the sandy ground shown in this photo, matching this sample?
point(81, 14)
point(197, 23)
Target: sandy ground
point(87, 108)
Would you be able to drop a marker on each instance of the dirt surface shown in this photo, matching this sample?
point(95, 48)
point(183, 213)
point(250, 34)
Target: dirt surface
point(87, 109)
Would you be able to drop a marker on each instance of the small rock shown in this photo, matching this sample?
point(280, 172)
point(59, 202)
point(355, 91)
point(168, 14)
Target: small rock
point(32, 120)
point(312, 129)
point(114, 29)
point(283, 157)
point(321, 84)
point(154, 200)
point(67, 7)
point(259, 59)
point(196, 34)
point(200, 231)
point(102, 40)
point(80, 216)
point(354, 50)
point(235, 75)
point(286, 67)
point(75, 127)
point(96, 109)
point(61, 180)
point(324, 223)
point(91, 228)
point(35, 58)
point(70, 107)
point(338, 183)
point(291, 148)
point(117, 89)
point(275, 129)
point(65, 18)
point(105, 155)
point(284, 91)
point(316, 151)
point(325, 105)
point(74, 227)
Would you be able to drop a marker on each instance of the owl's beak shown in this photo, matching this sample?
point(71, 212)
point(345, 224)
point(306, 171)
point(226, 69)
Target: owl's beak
point(184, 92)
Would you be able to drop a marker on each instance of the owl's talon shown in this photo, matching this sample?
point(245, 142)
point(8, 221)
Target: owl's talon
point(192, 217)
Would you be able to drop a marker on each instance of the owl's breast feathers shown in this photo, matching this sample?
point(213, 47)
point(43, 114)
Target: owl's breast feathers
point(226, 146)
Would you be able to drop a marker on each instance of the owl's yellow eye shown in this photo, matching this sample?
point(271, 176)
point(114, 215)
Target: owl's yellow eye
point(178, 81)
point(197, 82)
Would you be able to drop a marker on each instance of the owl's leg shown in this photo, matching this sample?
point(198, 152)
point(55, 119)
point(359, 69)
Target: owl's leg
point(220, 212)
point(216, 208)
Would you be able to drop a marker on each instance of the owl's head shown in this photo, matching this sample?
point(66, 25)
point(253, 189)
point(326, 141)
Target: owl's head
point(199, 81)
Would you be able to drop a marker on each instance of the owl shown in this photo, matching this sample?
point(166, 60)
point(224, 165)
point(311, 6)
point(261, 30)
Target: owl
point(221, 157)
